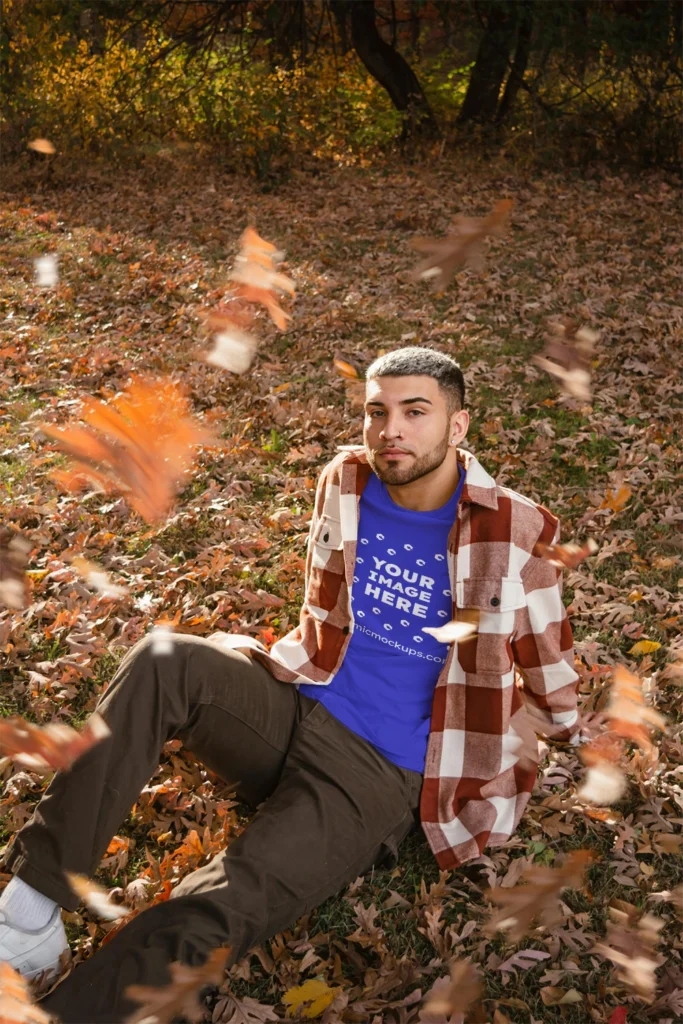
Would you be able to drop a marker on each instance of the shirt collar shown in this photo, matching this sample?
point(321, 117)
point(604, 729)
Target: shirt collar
point(480, 487)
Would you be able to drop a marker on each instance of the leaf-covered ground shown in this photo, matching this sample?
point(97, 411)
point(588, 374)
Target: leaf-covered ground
point(139, 258)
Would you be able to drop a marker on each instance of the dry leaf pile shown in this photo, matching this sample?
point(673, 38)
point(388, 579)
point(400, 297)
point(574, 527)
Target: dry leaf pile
point(102, 382)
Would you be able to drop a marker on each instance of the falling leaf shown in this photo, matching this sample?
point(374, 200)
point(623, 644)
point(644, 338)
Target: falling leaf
point(603, 784)
point(163, 640)
point(567, 357)
point(16, 1005)
point(179, 998)
point(42, 146)
point(143, 448)
point(233, 350)
point(14, 552)
point(462, 247)
point(98, 579)
point(632, 937)
point(257, 279)
point(346, 370)
point(629, 716)
point(565, 556)
point(264, 297)
point(454, 994)
point(47, 275)
point(95, 897)
point(48, 747)
point(310, 999)
point(645, 647)
point(522, 905)
point(451, 632)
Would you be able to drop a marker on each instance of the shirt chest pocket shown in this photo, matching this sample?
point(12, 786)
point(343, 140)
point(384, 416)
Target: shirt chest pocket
point(327, 564)
point(490, 603)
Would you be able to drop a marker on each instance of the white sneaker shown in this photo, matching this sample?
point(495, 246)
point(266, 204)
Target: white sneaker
point(31, 953)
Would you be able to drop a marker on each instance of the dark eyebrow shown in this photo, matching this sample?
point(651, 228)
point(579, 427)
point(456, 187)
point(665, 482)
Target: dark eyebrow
point(405, 401)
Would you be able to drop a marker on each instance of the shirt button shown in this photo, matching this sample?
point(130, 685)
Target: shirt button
point(326, 537)
point(345, 629)
point(495, 601)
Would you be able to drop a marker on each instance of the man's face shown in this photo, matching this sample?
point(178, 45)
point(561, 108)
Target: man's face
point(407, 427)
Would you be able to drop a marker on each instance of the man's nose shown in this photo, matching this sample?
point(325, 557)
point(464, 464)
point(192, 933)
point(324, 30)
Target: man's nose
point(390, 429)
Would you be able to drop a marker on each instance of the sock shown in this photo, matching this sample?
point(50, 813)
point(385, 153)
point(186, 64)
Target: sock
point(26, 908)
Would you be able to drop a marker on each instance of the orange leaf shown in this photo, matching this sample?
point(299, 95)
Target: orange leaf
point(16, 1005)
point(48, 747)
point(347, 370)
point(41, 146)
point(144, 448)
point(265, 298)
point(616, 502)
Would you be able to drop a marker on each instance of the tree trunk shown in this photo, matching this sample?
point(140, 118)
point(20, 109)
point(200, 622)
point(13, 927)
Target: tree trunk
point(481, 100)
point(388, 67)
point(519, 64)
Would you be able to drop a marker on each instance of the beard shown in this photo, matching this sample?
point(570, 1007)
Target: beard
point(407, 471)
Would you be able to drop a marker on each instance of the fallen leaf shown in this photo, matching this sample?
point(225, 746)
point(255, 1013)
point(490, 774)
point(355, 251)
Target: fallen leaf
point(523, 959)
point(310, 999)
point(645, 647)
point(560, 997)
point(616, 501)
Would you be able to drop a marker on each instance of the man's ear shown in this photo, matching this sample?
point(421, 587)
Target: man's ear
point(460, 422)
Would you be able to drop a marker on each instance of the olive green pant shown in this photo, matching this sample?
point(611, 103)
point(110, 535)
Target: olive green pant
point(332, 807)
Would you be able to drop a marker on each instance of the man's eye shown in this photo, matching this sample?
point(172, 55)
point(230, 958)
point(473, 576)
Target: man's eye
point(418, 412)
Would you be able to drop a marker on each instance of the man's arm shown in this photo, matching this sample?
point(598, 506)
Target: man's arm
point(543, 650)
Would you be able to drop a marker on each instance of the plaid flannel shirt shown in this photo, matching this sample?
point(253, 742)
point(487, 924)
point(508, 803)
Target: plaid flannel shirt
point(475, 786)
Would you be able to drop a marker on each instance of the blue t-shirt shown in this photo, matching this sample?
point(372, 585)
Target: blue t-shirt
point(384, 687)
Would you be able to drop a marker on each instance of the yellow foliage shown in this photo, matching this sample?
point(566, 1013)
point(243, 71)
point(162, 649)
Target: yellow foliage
point(645, 647)
point(315, 995)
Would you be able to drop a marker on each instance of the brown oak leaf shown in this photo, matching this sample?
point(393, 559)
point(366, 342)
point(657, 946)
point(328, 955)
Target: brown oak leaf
point(180, 997)
point(537, 900)
point(462, 246)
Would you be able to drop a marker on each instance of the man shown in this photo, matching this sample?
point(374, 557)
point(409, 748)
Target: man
point(384, 725)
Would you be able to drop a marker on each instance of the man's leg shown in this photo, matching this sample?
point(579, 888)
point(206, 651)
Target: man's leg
point(223, 706)
point(338, 808)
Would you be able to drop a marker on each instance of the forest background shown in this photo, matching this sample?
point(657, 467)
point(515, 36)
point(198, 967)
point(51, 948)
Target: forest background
point(341, 130)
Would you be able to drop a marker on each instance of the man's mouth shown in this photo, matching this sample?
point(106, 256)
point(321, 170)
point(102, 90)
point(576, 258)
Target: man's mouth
point(394, 453)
